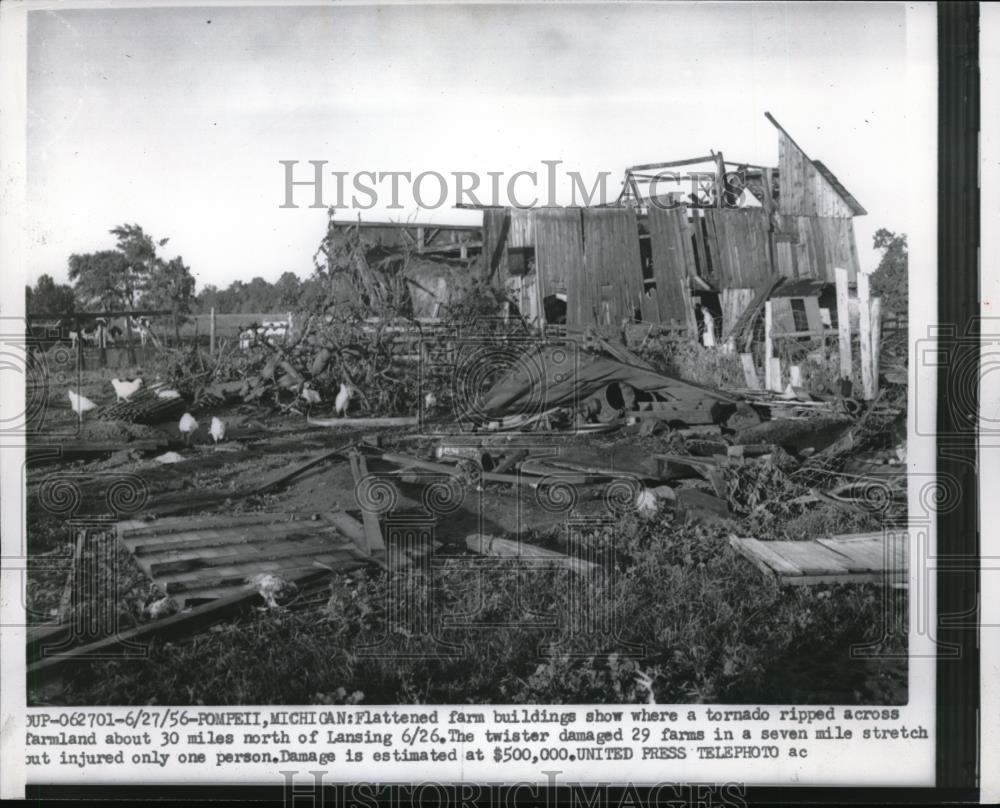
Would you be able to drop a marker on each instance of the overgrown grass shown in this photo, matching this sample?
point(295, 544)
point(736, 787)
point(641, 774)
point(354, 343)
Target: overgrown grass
point(680, 607)
point(694, 362)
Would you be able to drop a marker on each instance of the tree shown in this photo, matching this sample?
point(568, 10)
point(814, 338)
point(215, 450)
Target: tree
point(132, 272)
point(170, 285)
point(49, 298)
point(287, 290)
point(210, 297)
point(890, 278)
point(103, 279)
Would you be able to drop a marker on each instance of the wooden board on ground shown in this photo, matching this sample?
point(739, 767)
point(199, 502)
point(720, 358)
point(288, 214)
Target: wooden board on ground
point(532, 554)
point(202, 558)
point(857, 558)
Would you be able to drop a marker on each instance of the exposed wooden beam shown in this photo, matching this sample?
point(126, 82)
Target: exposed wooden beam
point(671, 164)
point(783, 131)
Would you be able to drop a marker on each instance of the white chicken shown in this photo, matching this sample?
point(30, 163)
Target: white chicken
point(646, 683)
point(169, 457)
point(126, 389)
point(168, 394)
point(218, 429)
point(188, 426)
point(80, 403)
point(161, 608)
point(430, 401)
point(311, 397)
point(343, 398)
point(271, 587)
point(646, 502)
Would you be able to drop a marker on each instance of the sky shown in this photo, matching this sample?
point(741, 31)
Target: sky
point(177, 118)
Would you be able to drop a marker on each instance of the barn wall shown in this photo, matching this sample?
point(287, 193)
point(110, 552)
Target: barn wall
point(739, 241)
point(559, 249)
point(673, 263)
point(820, 244)
point(803, 190)
point(496, 230)
point(522, 227)
point(613, 287)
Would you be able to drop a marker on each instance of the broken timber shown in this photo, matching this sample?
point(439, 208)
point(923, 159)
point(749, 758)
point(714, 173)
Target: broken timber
point(512, 548)
point(168, 504)
point(197, 559)
point(859, 558)
point(200, 618)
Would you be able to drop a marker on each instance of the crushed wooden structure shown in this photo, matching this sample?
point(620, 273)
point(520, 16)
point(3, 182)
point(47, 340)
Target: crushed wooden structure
point(198, 559)
point(880, 558)
point(657, 252)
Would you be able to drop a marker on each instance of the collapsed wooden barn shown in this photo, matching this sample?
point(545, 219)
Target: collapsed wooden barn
point(660, 251)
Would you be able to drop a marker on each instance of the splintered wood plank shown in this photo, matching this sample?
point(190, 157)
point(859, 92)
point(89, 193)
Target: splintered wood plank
point(373, 531)
point(749, 371)
point(858, 558)
point(196, 597)
point(204, 554)
point(176, 626)
point(812, 558)
point(185, 524)
point(865, 558)
point(240, 575)
point(764, 556)
point(217, 557)
point(217, 538)
point(878, 551)
point(868, 555)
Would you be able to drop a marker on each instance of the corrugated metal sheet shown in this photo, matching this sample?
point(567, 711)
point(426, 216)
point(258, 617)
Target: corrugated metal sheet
point(613, 288)
point(738, 239)
point(673, 264)
point(559, 250)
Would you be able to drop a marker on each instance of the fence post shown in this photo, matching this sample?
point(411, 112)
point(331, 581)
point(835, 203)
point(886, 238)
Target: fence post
point(102, 344)
point(128, 340)
point(708, 338)
point(211, 332)
point(768, 345)
point(79, 341)
point(843, 323)
point(876, 311)
point(865, 336)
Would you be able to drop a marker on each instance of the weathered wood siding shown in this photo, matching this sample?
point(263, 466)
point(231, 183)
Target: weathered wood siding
point(613, 288)
point(817, 246)
point(738, 239)
point(496, 229)
point(803, 190)
point(505, 229)
point(559, 249)
point(673, 263)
